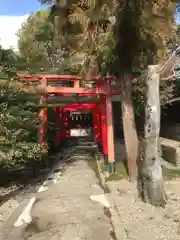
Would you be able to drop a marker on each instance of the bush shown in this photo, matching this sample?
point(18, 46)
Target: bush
point(18, 127)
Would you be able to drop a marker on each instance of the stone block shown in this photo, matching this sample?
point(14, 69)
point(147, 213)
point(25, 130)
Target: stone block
point(170, 151)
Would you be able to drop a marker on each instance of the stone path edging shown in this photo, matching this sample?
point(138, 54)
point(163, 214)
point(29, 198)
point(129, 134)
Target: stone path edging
point(120, 233)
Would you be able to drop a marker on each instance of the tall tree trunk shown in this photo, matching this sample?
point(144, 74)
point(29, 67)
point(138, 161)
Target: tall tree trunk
point(154, 192)
point(129, 126)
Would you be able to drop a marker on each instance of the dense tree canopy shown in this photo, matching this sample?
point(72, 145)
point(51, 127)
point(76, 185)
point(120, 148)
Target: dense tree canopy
point(93, 19)
point(141, 30)
point(35, 41)
point(150, 25)
point(46, 50)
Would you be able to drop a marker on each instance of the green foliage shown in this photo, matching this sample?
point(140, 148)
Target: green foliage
point(105, 58)
point(93, 17)
point(35, 41)
point(141, 32)
point(42, 48)
point(170, 174)
point(86, 24)
point(121, 171)
point(19, 122)
point(19, 117)
point(138, 38)
point(7, 62)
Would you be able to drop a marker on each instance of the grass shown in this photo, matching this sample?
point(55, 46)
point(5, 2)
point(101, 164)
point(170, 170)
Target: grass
point(169, 174)
point(121, 171)
point(3, 80)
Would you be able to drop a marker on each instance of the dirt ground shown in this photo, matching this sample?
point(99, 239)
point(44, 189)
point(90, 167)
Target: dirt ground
point(141, 221)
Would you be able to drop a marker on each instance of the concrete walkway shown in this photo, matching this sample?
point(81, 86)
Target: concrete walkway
point(65, 210)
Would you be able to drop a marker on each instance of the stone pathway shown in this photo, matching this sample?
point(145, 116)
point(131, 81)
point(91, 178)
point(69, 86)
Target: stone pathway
point(73, 206)
point(65, 210)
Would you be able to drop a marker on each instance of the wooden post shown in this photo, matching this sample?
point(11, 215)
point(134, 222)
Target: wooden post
point(96, 124)
point(62, 121)
point(66, 123)
point(58, 127)
point(110, 132)
point(76, 84)
point(99, 126)
point(154, 192)
point(104, 129)
point(43, 115)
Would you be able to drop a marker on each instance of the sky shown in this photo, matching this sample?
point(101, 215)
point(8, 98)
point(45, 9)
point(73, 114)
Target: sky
point(12, 14)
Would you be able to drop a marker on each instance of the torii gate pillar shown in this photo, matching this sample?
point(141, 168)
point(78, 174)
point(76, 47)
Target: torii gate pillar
point(43, 115)
point(103, 128)
point(58, 126)
point(110, 134)
point(96, 124)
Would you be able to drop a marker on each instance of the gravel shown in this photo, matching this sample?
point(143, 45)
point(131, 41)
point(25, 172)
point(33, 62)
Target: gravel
point(6, 210)
point(143, 221)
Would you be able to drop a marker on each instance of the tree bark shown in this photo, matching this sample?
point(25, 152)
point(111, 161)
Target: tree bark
point(129, 126)
point(153, 183)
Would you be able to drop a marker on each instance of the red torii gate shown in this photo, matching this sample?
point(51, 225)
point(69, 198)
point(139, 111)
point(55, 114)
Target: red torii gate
point(101, 110)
